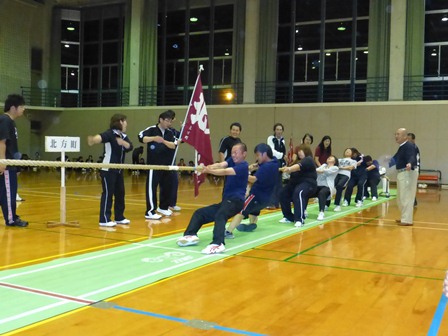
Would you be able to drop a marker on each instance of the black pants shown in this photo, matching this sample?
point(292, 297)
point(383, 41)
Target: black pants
point(359, 181)
point(340, 182)
point(8, 194)
point(156, 178)
point(219, 213)
point(113, 192)
point(299, 195)
point(322, 194)
point(373, 184)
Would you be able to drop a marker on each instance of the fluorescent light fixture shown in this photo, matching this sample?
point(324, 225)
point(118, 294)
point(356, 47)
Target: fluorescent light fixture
point(67, 45)
point(365, 51)
point(194, 19)
point(341, 27)
point(445, 18)
point(70, 27)
point(299, 48)
point(328, 54)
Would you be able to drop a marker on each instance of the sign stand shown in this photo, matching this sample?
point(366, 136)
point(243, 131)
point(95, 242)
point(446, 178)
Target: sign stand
point(63, 144)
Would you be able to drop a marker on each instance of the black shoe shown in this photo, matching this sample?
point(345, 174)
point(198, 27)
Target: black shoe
point(19, 223)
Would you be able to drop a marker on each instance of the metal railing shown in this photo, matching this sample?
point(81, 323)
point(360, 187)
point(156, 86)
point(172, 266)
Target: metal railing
point(426, 88)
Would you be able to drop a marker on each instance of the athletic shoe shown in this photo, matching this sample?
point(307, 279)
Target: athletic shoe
point(299, 224)
point(18, 222)
point(123, 221)
point(175, 208)
point(345, 203)
point(284, 220)
point(326, 208)
point(19, 199)
point(167, 212)
point(337, 208)
point(108, 224)
point(228, 235)
point(321, 216)
point(374, 199)
point(152, 216)
point(214, 248)
point(188, 240)
point(358, 204)
point(246, 228)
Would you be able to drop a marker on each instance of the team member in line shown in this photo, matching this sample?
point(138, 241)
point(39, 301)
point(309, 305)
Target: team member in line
point(236, 170)
point(373, 177)
point(160, 148)
point(326, 175)
point(301, 185)
point(346, 165)
point(405, 161)
point(261, 191)
point(278, 146)
point(9, 149)
point(358, 178)
point(116, 145)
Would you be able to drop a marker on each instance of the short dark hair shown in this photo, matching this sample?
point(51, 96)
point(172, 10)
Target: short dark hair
point(168, 114)
point(278, 124)
point(15, 100)
point(367, 158)
point(115, 121)
point(264, 148)
point(412, 135)
point(237, 124)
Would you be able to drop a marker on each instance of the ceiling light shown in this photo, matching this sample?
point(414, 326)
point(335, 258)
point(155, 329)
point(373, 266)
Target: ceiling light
point(297, 31)
point(341, 27)
point(67, 45)
point(365, 51)
point(434, 52)
point(445, 18)
point(227, 53)
point(299, 48)
point(194, 19)
point(70, 27)
point(328, 54)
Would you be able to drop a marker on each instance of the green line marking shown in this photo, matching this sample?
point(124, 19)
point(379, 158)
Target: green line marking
point(99, 275)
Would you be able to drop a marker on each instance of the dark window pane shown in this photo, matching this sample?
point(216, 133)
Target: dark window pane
point(69, 54)
point(362, 35)
point(299, 68)
point(284, 43)
point(72, 79)
point(110, 52)
point(105, 84)
point(64, 71)
point(307, 10)
point(335, 37)
point(330, 66)
point(179, 70)
point(114, 77)
point(305, 94)
point(313, 65)
point(175, 48)
point(111, 29)
point(199, 19)
point(218, 72)
point(336, 93)
point(435, 4)
point(91, 54)
point(284, 11)
point(175, 22)
point(444, 61)
point(338, 9)
point(361, 64)
point(431, 61)
point(199, 45)
point(363, 8)
point(224, 17)
point(344, 65)
point(170, 73)
point(436, 30)
point(70, 35)
point(91, 30)
point(223, 44)
point(308, 36)
point(193, 67)
point(283, 68)
point(227, 72)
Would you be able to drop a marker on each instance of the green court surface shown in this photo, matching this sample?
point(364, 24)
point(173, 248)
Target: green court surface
point(34, 293)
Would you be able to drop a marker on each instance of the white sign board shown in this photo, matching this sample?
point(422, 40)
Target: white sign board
point(62, 144)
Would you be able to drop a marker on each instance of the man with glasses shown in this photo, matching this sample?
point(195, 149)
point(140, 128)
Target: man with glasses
point(161, 144)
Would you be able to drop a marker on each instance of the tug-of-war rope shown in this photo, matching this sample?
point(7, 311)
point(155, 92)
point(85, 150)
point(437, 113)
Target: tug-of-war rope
point(69, 164)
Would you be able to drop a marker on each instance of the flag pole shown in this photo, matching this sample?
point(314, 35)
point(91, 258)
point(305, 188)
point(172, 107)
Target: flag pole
point(201, 68)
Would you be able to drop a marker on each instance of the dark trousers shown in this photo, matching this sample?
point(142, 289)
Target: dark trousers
point(322, 194)
point(174, 187)
point(219, 213)
point(373, 184)
point(113, 191)
point(156, 178)
point(340, 182)
point(275, 197)
point(8, 194)
point(299, 195)
point(359, 181)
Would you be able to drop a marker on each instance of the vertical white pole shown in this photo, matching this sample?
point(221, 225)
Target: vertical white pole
point(62, 201)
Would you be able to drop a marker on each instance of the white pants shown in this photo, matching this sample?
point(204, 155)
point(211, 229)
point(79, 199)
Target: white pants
point(406, 190)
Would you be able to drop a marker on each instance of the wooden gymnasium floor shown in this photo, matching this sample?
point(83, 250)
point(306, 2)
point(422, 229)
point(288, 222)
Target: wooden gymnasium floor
point(357, 274)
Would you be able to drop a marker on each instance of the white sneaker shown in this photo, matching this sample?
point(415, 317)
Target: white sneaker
point(337, 208)
point(188, 241)
point(167, 212)
point(326, 208)
point(284, 220)
point(18, 198)
point(123, 221)
point(108, 224)
point(306, 214)
point(374, 198)
point(175, 208)
point(363, 198)
point(358, 204)
point(321, 216)
point(345, 203)
point(214, 248)
point(298, 224)
point(152, 216)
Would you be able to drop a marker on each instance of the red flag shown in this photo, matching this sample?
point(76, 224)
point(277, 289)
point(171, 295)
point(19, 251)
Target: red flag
point(197, 133)
point(290, 152)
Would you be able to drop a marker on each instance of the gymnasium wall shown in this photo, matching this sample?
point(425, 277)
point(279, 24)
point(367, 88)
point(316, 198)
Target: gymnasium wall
point(370, 127)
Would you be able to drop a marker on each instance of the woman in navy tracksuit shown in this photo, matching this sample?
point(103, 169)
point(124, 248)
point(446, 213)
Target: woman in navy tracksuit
point(358, 178)
point(116, 144)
